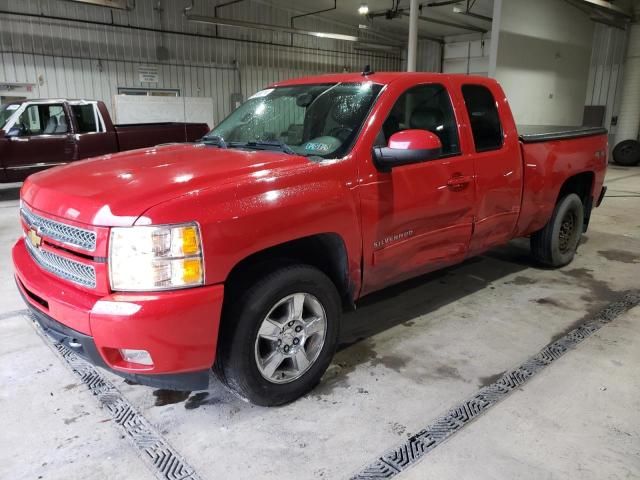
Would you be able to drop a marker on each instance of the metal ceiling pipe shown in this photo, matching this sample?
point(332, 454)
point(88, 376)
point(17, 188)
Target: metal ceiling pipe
point(229, 22)
point(447, 23)
point(412, 50)
point(629, 115)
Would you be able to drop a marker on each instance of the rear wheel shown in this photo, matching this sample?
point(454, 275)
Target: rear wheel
point(555, 245)
point(279, 336)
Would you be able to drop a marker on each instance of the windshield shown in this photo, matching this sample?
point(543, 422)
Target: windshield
point(6, 111)
point(312, 120)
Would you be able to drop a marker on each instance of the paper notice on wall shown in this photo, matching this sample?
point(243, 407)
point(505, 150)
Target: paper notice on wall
point(148, 74)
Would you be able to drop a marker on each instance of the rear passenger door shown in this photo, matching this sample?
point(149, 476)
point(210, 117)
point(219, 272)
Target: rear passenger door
point(418, 217)
point(498, 169)
point(92, 138)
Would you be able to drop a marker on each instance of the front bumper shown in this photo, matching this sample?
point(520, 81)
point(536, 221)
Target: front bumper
point(179, 329)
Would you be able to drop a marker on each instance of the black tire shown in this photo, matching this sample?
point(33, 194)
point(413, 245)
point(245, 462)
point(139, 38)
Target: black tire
point(555, 245)
point(236, 364)
point(627, 153)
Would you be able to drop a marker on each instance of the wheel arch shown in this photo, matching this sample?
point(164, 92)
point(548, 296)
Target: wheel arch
point(582, 185)
point(325, 251)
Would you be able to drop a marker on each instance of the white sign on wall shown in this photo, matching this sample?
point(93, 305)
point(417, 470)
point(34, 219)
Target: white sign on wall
point(143, 109)
point(148, 74)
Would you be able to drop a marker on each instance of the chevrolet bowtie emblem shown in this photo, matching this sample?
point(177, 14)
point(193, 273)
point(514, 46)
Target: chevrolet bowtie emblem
point(34, 238)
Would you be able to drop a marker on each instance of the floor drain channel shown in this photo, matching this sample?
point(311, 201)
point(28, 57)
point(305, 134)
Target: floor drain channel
point(163, 460)
point(417, 446)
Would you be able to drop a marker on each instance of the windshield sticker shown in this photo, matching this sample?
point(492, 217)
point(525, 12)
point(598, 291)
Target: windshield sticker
point(13, 107)
point(318, 147)
point(261, 93)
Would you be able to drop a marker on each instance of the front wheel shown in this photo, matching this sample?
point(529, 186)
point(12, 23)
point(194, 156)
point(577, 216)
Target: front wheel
point(555, 245)
point(279, 336)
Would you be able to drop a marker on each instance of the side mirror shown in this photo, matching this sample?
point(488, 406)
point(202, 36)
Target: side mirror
point(14, 131)
point(408, 146)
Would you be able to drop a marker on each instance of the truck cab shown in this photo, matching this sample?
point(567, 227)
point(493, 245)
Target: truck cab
point(40, 134)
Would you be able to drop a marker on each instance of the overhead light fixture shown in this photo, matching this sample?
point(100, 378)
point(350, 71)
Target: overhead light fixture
point(363, 9)
point(457, 10)
point(335, 36)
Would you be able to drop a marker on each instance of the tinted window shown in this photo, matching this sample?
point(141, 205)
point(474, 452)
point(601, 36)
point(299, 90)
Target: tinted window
point(42, 120)
point(426, 107)
point(86, 118)
point(483, 113)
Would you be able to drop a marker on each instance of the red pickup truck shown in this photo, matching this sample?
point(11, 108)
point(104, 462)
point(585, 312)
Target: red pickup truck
point(240, 252)
point(39, 134)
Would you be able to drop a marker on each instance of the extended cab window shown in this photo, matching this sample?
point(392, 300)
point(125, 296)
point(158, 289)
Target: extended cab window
point(42, 120)
point(425, 107)
point(86, 118)
point(483, 113)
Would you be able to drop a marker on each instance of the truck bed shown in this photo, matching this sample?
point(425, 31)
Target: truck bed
point(141, 135)
point(546, 133)
point(550, 156)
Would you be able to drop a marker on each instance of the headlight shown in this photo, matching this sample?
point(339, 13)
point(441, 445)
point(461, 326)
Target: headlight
point(155, 258)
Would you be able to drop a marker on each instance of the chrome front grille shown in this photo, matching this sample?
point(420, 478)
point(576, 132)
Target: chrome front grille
point(63, 267)
point(67, 234)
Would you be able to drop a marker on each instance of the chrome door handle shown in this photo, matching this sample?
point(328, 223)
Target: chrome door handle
point(18, 139)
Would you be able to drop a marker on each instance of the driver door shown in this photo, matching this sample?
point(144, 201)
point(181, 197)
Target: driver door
point(417, 217)
point(40, 138)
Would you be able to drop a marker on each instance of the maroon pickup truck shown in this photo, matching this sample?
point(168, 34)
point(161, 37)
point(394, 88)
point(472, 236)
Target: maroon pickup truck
point(38, 134)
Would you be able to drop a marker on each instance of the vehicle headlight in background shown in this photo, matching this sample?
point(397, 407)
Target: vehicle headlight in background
point(159, 257)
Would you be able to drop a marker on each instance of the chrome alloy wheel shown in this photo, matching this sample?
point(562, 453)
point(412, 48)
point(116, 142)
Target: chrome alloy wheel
point(290, 338)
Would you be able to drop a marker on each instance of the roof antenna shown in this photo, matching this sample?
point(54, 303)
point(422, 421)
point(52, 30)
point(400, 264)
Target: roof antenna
point(367, 71)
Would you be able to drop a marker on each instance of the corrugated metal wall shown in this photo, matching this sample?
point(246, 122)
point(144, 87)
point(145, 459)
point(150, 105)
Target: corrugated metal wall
point(605, 75)
point(429, 57)
point(102, 51)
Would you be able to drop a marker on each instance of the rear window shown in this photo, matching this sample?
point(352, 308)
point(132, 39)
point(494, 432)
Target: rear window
point(86, 118)
point(483, 113)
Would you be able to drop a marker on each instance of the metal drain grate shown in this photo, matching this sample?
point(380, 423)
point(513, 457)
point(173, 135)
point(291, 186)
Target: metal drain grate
point(417, 446)
point(165, 462)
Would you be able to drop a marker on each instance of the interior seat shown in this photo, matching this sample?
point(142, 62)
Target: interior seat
point(52, 125)
point(62, 125)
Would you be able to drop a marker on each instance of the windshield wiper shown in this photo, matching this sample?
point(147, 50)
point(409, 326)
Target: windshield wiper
point(215, 140)
point(277, 144)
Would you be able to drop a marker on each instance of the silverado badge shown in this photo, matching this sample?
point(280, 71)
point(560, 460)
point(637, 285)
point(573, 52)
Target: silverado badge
point(34, 238)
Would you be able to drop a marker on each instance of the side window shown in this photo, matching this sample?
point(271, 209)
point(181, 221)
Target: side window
point(483, 113)
point(86, 118)
point(43, 120)
point(425, 107)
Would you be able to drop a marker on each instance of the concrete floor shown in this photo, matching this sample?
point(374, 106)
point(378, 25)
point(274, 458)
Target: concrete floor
point(415, 350)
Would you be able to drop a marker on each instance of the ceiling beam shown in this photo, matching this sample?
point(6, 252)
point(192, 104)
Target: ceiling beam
point(462, 26)
point(228, 22)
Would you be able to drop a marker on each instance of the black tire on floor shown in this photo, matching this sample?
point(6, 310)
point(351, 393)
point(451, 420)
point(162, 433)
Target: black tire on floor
point(627, 153)
point(236, 365)
point(555, 245)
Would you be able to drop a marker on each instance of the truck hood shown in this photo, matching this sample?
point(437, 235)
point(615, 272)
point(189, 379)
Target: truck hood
point(114, 190)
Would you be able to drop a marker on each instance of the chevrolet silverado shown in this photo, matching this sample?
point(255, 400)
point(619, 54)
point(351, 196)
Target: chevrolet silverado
point(239, 253)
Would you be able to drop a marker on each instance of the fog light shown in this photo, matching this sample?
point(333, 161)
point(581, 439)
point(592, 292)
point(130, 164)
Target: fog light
point(141, 357)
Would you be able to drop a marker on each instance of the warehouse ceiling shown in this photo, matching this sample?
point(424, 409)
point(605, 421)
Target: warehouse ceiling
point(439, 18)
